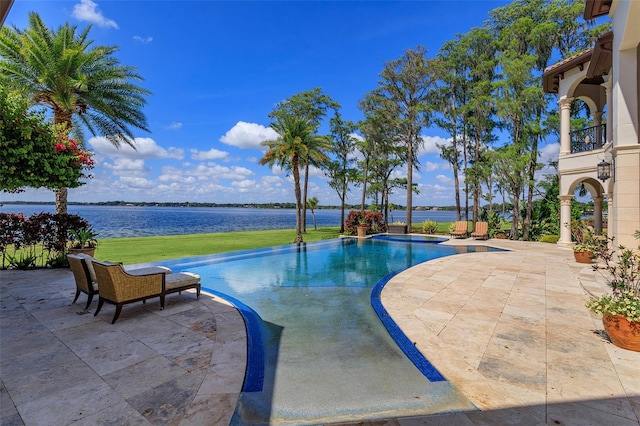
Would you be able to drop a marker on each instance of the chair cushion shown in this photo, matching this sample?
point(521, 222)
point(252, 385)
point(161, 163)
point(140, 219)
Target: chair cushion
point(92, 273)
point(181, 279)
point(147, 271)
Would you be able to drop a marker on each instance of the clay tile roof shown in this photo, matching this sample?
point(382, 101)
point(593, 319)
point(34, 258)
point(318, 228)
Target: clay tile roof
point(553, 73)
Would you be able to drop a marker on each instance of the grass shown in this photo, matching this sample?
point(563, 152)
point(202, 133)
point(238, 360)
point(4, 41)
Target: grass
point(152, 249)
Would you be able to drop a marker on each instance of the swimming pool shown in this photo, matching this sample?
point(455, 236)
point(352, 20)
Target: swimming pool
point(319, 352)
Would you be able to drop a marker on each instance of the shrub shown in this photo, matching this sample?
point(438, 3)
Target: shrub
point(549, 239)
point(429, 226)
point(371, 220)
point(36, 240)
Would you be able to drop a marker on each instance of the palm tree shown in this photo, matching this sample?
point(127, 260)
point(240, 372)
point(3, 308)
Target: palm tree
point(80, 83)
point(296, 135)
point(312, 203)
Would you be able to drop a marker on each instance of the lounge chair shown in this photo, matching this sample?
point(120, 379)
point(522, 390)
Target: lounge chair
point(119, 287)
point(462, 229)
point(482, 231)
point(85, 276)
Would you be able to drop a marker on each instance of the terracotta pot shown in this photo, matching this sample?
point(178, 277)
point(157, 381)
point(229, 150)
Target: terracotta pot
point(621, 332)
point(362, 231)
point(583, 256)
point(87, 250)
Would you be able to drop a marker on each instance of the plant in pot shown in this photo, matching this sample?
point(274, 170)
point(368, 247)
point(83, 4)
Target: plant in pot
point(586, 241)
point(362, 227)
point(82, 240)
point(620, 309)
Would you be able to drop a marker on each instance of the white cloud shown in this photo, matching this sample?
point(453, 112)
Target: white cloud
point(248, 135)
point(430, 166)
point(444, 179)
point(88, 11)
point(126, 165)
point(143, 40)
point(431, 144)
point(212, 154)
point(244, 185)
point(145, 148)
point(137, 182)
point(175, 125)
point(549, 153)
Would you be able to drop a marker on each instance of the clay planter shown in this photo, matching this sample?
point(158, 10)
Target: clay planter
point(362, 231)
point(621, 332)
point(87, 250)
point(583, 256)
point(397, 229)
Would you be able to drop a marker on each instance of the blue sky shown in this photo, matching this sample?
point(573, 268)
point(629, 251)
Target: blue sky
point(217, 68)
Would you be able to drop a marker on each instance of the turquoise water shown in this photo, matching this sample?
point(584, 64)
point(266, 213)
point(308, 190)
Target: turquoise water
point(325, 355)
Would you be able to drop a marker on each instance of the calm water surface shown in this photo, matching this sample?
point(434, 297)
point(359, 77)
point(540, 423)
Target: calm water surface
point(133, 221)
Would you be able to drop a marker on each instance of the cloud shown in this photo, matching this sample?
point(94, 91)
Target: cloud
point(146, 148)
point(143, 40)
point(244, 185)
point(175, 125)
point(126, 165)
point(444, 179)
point(431, 143)
point(212, 154)
point(248, 135)
point(549, 153)
point(88, 11)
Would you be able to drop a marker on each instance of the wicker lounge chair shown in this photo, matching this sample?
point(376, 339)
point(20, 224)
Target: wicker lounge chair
point(462, 229)
point(85, 276)
point(482, 231)
point(119, 287)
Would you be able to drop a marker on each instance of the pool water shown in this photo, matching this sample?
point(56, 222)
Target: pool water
point(318, 351)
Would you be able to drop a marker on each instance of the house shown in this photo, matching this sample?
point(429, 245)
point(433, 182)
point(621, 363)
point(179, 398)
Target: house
point(605, 157)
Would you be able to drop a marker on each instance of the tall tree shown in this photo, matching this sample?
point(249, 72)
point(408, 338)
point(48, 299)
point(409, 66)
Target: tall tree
point(80, 83)
point(311, 105)
point(340, 171)
point(295, 135)
point(312, 203)
point(404, 87)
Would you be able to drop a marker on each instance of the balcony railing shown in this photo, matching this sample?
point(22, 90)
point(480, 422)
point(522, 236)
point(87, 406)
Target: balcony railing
point(588, 139)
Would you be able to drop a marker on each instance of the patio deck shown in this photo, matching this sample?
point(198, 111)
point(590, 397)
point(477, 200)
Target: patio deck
point(509, 329)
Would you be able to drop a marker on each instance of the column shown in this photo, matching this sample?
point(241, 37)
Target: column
point(607, 86)
point(565, 220)
point(597, 214)
point(565, 125)
point(597, 119)
point(610, 214)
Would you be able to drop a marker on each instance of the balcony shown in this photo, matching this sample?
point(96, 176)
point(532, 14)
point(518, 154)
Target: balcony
point(588, 139)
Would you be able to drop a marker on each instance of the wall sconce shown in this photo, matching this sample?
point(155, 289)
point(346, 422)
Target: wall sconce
point(604, 170)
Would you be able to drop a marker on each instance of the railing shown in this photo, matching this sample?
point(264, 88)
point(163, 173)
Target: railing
point(588, 139)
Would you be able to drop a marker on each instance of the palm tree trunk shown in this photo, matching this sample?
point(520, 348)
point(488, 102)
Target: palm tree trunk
point(296, 184)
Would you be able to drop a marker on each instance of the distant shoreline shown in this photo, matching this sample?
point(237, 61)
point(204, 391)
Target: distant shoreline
point(217, 205)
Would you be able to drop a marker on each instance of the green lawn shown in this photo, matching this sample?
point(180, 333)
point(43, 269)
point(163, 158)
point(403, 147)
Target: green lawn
point(152, 249)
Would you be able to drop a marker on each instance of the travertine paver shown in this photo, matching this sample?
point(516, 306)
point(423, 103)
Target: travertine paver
point(508, 329)
point(61, 365)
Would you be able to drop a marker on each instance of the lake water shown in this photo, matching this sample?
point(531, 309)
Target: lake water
point(134, 221)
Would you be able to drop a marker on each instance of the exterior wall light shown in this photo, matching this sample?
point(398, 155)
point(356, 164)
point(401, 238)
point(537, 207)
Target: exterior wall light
point(604, 170)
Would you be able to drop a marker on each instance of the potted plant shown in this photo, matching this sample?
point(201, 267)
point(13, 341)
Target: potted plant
point(620, 309)
point(83, 240)
point(362, 227)
point(586, 241)
point(397, 228)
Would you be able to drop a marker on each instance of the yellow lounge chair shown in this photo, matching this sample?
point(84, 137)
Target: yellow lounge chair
point(482, 231)
point(462, 229)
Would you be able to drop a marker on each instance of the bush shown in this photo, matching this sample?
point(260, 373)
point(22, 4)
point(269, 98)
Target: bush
point(549, 239)
point(36, 240)
point(429, 226)
point(372, 220)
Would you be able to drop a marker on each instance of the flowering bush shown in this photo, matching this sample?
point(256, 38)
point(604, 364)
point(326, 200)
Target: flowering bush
point(371, 220)
point(37, 240)
point(623, 276)
point(429, 226)
point(78, 156)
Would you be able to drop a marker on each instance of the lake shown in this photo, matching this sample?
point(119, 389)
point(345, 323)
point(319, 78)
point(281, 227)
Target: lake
point(134, 221)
